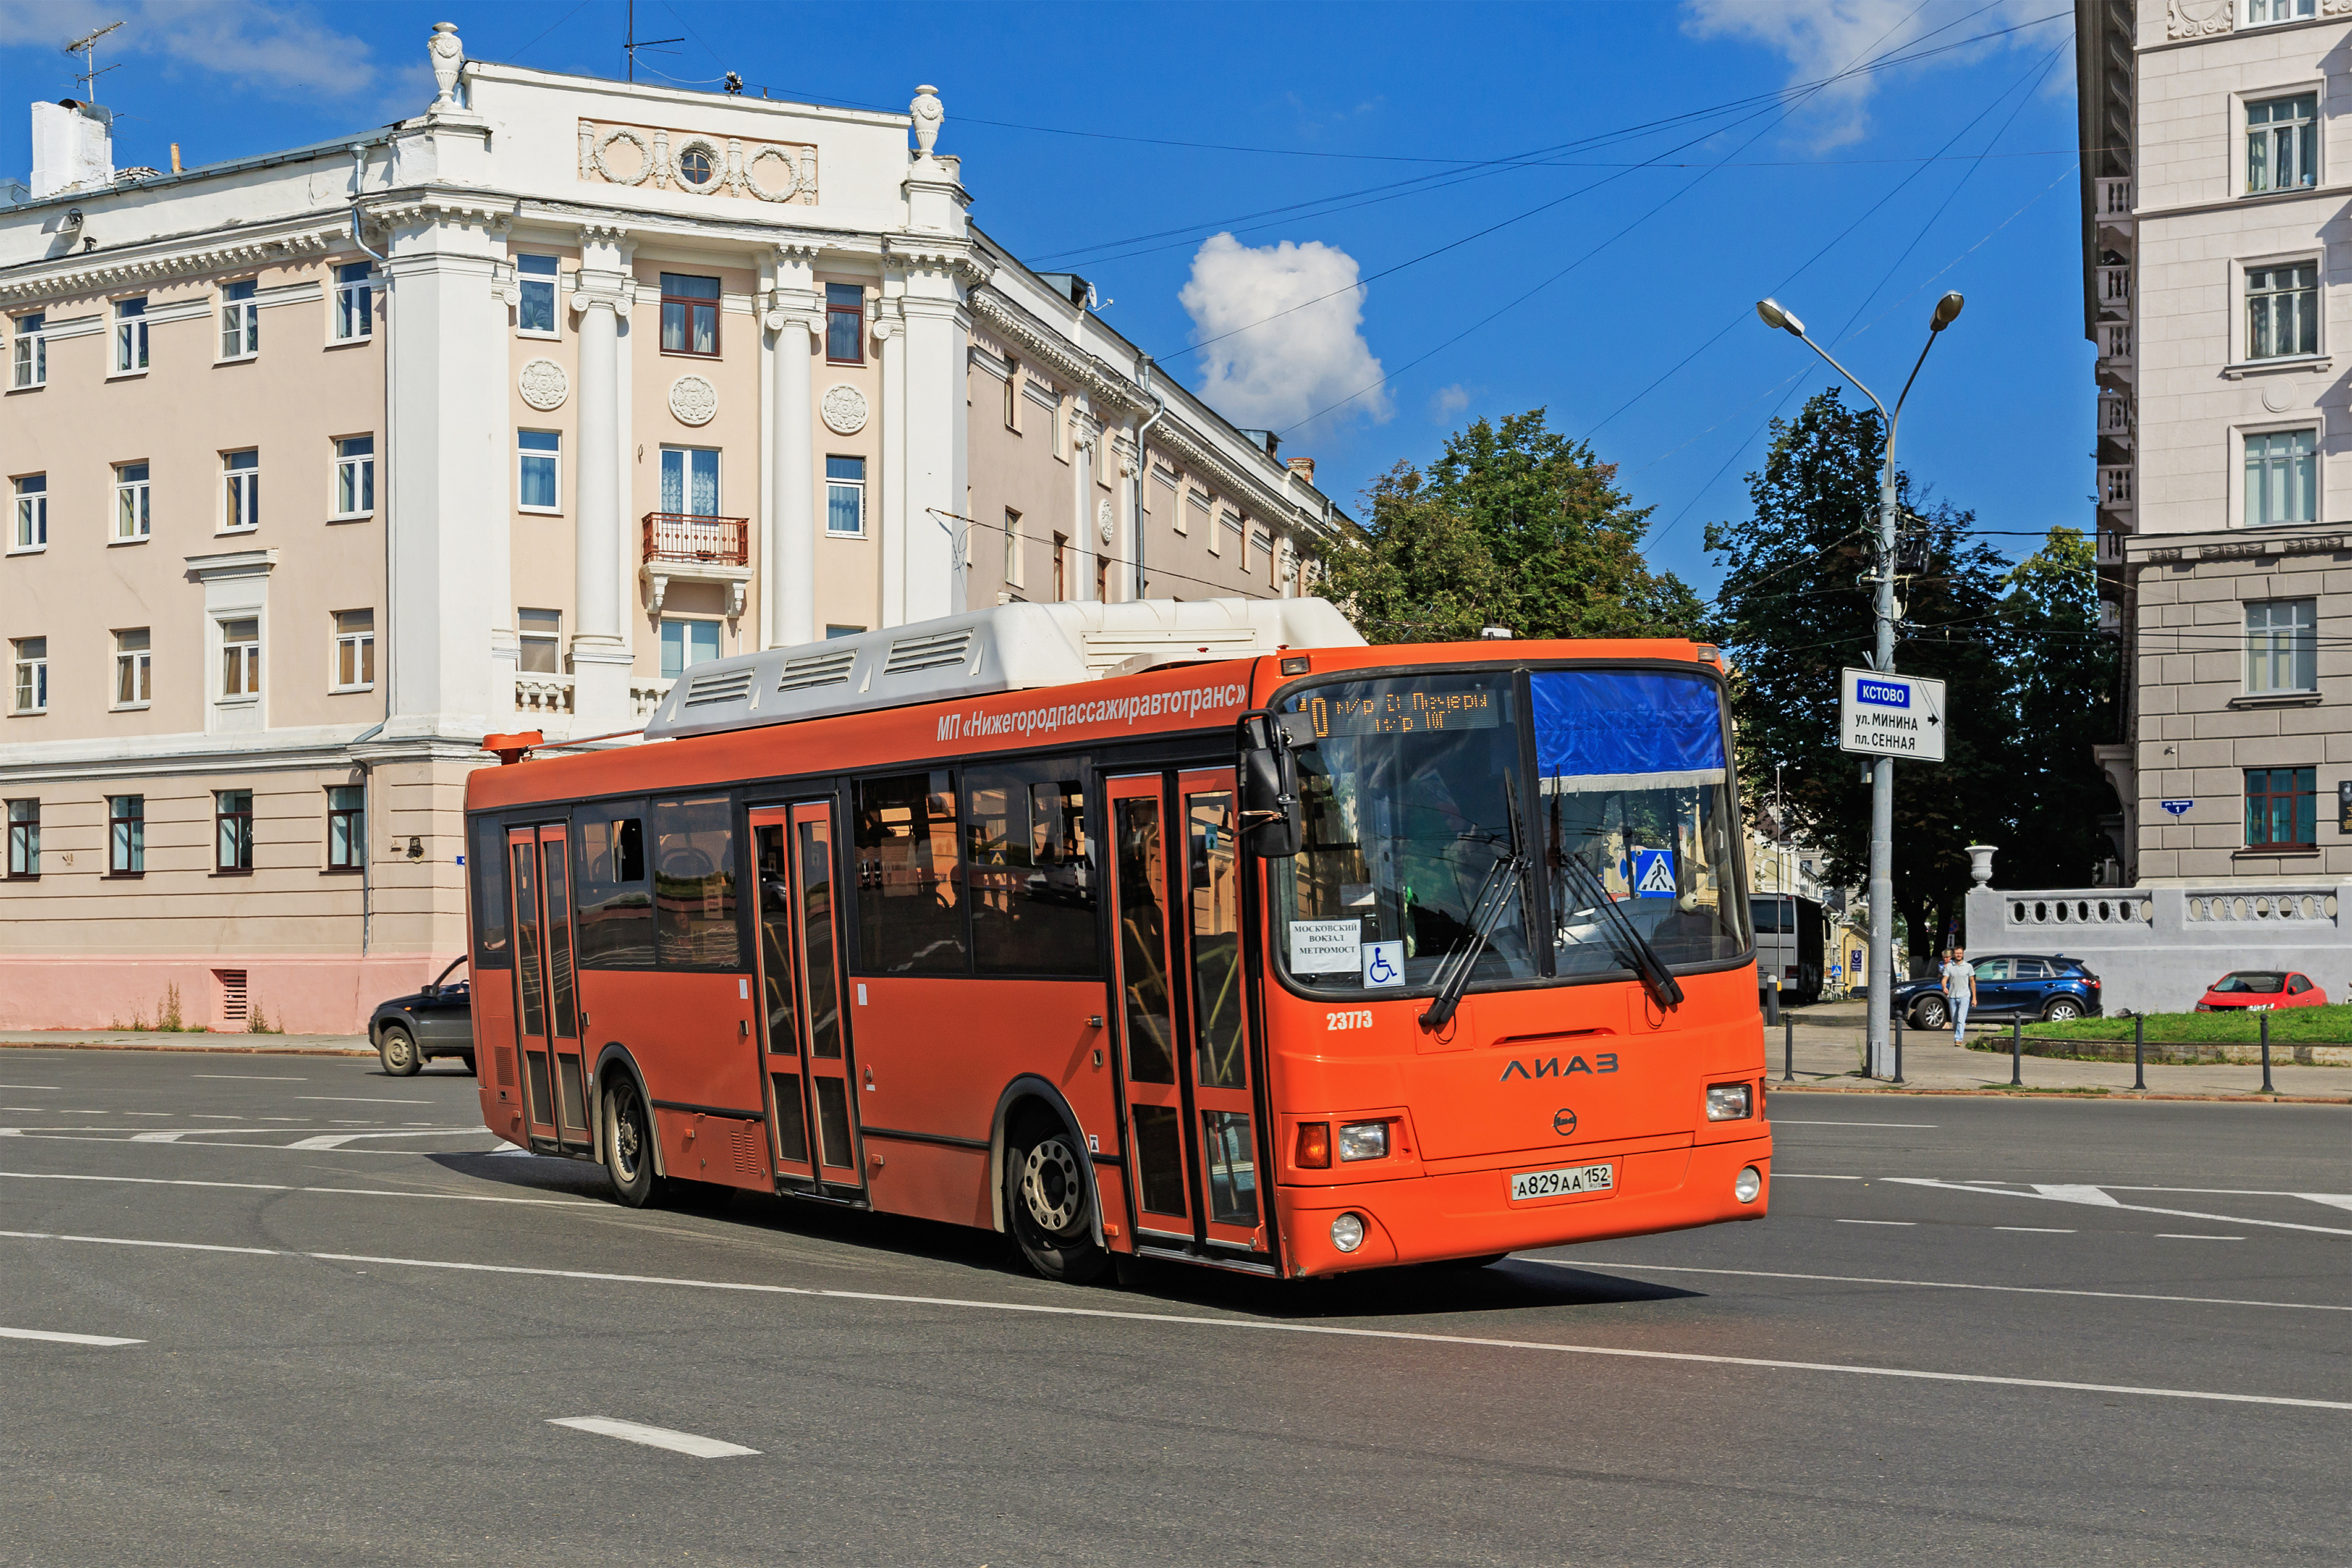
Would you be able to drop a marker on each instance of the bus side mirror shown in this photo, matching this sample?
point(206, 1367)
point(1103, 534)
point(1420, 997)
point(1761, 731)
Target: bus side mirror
point(1271, 824)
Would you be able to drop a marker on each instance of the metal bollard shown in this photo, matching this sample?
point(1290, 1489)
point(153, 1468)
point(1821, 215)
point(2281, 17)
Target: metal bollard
point(1897, 1021)
point(1772, 1000)
point(1788, 1050)
point(2016, 1053)
point(2139, 1051)
point(2266, 1052)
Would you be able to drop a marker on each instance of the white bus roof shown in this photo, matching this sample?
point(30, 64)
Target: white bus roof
point(1011, 647)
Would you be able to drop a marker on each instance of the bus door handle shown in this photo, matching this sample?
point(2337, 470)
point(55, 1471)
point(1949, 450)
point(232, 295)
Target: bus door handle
point(743, 1028)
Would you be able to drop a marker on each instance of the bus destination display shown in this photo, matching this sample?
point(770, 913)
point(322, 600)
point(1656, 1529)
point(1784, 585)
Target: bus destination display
point(1403, 713)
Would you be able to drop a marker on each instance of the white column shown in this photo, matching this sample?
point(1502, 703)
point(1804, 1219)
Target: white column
point(792, 552)
point(934, 442)
point(896, 507)
point(600, 656)
point(1084, 434)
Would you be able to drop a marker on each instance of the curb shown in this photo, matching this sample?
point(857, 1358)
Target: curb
point(2092, 1092)
point(186, 1050)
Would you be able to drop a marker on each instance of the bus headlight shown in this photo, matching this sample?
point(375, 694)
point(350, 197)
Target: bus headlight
point(1347, 1232)
point(1364, 1141)
point(1746, 1184)
point(1730, 1103)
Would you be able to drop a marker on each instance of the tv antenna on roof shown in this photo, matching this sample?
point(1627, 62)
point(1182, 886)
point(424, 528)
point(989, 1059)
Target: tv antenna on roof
point(632, 43)
point(86, 47)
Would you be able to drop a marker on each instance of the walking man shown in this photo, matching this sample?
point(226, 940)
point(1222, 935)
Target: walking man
point(1959, 991)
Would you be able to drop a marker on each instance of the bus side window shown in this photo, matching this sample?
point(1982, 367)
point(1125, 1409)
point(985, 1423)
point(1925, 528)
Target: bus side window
point(617, 906)
point(910, 882)
point(1031, 869)
point(694, 884)
point(493, 940)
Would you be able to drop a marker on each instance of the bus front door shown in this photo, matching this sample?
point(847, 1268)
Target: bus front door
point(805, 1057)
point(547, 1011)
point(1189, 1096)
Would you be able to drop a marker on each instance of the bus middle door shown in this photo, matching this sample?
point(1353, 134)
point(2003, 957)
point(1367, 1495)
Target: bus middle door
point(547, 1014)
point(805, 1057)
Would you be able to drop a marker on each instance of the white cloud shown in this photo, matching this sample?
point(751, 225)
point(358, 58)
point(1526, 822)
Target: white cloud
point(1823, 37)
point(283, 51)
point(1296, 314)
point(1448, 401)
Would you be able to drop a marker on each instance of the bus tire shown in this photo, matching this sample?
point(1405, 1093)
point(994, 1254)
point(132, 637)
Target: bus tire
point(1046, 1202)
point(629, 1143)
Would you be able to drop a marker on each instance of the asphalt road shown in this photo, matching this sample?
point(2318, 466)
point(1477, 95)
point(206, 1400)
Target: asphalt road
point(1971, 1329)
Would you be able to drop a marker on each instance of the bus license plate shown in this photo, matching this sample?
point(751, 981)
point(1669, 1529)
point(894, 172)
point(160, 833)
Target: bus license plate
point(1561, 1183)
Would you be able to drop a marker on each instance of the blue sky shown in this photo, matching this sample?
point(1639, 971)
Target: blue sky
point(1331, 144)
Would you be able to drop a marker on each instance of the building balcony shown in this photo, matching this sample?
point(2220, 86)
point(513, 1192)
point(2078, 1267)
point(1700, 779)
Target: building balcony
point(2111, 616)
point(2115, 204)
point(646, 692)
point(2115, 417)
point(539, 695)
point(2115, 294)
point(2110, 549)
point(681, 547)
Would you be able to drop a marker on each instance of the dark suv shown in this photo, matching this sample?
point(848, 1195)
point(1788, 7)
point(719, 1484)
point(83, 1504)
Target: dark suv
point(2008, 985)
point(438, 1021)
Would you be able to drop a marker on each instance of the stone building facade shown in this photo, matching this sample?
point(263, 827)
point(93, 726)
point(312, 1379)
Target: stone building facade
point(325, 464)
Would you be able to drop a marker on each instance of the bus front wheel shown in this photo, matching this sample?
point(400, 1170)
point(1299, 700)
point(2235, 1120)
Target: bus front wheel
point(1046, 1203)
point(629, 1144)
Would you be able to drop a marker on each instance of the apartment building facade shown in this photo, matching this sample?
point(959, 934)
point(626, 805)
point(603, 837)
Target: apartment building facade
point(325, 464)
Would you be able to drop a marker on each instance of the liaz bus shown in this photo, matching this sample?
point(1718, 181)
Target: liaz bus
point(1196, 930)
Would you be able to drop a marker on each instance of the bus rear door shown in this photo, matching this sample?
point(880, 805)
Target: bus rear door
point(805, 1050)
point(547, 1012)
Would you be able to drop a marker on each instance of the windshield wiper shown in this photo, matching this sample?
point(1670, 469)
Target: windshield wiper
point(1486, 911)
point(1656, 978)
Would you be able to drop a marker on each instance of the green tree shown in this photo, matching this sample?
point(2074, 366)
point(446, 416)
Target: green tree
point(1421, 573)
point(1794, 611)
point(2061, 680)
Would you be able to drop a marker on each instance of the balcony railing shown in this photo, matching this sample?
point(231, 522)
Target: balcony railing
point(542, 693)
point(681, 539)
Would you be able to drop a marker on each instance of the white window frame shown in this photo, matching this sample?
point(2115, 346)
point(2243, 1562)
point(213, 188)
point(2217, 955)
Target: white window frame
point(552, 281)
point(353, 472)
point(240, 323)
point(554, 457)
point(28, 355)
point(248, 662)
point(343, 298)
point(240, 492)
point(832, 484)
point(1012, 573)
point(2241, 314)
point(2242, 105)
point(138, 494)
point(28, 526)
point(360, 644)
point(2303, 11)
point(129, 338)
point(689, 459)
point(2239, 502)
point(529, 632)
point(136, 664)
point(2302, 653)
point(719, 631)
point(29, 685)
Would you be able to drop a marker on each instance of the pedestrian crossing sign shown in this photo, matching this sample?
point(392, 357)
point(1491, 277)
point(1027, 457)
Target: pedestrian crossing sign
point(1653, 874)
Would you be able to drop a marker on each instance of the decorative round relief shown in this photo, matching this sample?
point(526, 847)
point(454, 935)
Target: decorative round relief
point(844, 408)
point(701, 166)
point(543, 385)
point(645, 156)
point(2278, 399)
point(693, 400)
point(792, 174)
point(1105, 523)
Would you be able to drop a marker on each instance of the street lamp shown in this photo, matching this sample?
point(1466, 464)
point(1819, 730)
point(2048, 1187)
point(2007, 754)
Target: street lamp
point(1882, 771)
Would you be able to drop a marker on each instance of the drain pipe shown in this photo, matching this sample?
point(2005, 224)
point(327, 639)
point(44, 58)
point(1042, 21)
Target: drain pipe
point(358, 151)
point(1142, 468)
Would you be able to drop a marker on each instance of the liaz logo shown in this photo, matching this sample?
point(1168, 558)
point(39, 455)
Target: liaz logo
point(1885, 693)
point(1549, 1067)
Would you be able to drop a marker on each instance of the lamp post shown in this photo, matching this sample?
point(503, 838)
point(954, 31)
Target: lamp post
point(1882, 770)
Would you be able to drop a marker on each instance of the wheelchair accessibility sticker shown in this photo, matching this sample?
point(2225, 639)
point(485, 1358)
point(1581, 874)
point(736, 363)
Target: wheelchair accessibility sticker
point(1653, 874)
point(1383, 963)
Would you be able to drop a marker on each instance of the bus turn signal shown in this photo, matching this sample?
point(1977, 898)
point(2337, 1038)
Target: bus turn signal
point(1315, 1145)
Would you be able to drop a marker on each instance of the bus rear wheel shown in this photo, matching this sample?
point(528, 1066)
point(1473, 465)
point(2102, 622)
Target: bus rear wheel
point(629, 1144)
point(1046, 1204)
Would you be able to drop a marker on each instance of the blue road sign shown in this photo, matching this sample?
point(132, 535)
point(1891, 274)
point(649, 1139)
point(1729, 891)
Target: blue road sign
point(1653, 874)
point(2176, 807)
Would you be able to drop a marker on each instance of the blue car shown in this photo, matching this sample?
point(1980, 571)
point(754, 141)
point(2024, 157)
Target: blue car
point(2044, 986)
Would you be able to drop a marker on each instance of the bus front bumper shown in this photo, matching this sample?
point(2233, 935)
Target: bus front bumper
point(1471, 1213)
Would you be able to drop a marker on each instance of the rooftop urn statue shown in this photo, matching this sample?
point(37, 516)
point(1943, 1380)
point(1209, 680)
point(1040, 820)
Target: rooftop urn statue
point(927, 115)
point(448, 54)
point(1980, 862)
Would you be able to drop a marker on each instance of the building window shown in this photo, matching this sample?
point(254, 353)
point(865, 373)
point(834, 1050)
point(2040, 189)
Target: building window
point(241, 657)
point(32, 512)
point(1011, 548)
point(355, 475)
point(354, 650)
point(32, 689)
point(844, 496)
point(541, 636)
point(686, 643)
point(690, 315)
point(835, 630)
point(130, 336)
point(1012, 394)
point(535, 310)
point(2282, 808)
point(1061, 567)
point(132, 520)
point(689, 481)
point(240, 491)
point(346, 826)
point(354, 301)
point(232, 830)
point(241, 319)
point(126, 835)
point(844, 323)
point(135, 670)
point(2282, 309)
point(2283, 143)
point(2282, 477)
point(695, 169)
point(2260, 11)
point(23, 838)
point(2281, 646)
point(30, 361)
point(537, 455)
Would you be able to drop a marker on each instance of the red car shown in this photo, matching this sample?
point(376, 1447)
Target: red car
point(2253, 990)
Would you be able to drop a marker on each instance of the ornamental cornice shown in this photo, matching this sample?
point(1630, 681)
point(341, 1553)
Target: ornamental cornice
point(1040, 343)
point(99, 273)
point(956, 258)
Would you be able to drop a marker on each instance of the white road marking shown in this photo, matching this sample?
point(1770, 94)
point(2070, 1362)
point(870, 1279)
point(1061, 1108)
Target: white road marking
point(2339, 1199)
point(337, 1140)
point(2035, 1229)
point(50, 1087)
point(2183, 1235)
point(1786, 1122)
point(250, 1077)
point(67, 1338)
point(336, 1191)
point(361, 1100)
point(654, 1436)
point(157, 1137)
point(1247, 1325)
point(1591, 1263)
point(2075, 1193)
point(1878, 1222)
point(194, 1115)
point(2064, 1196)
point(1808, 1176)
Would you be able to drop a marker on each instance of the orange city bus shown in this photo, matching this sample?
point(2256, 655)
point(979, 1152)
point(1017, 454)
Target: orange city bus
point(1198, 931)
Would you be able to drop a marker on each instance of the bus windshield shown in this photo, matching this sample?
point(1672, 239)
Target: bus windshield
point(1418, 792)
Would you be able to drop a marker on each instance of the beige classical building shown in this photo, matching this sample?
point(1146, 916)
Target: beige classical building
point(326, 462)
